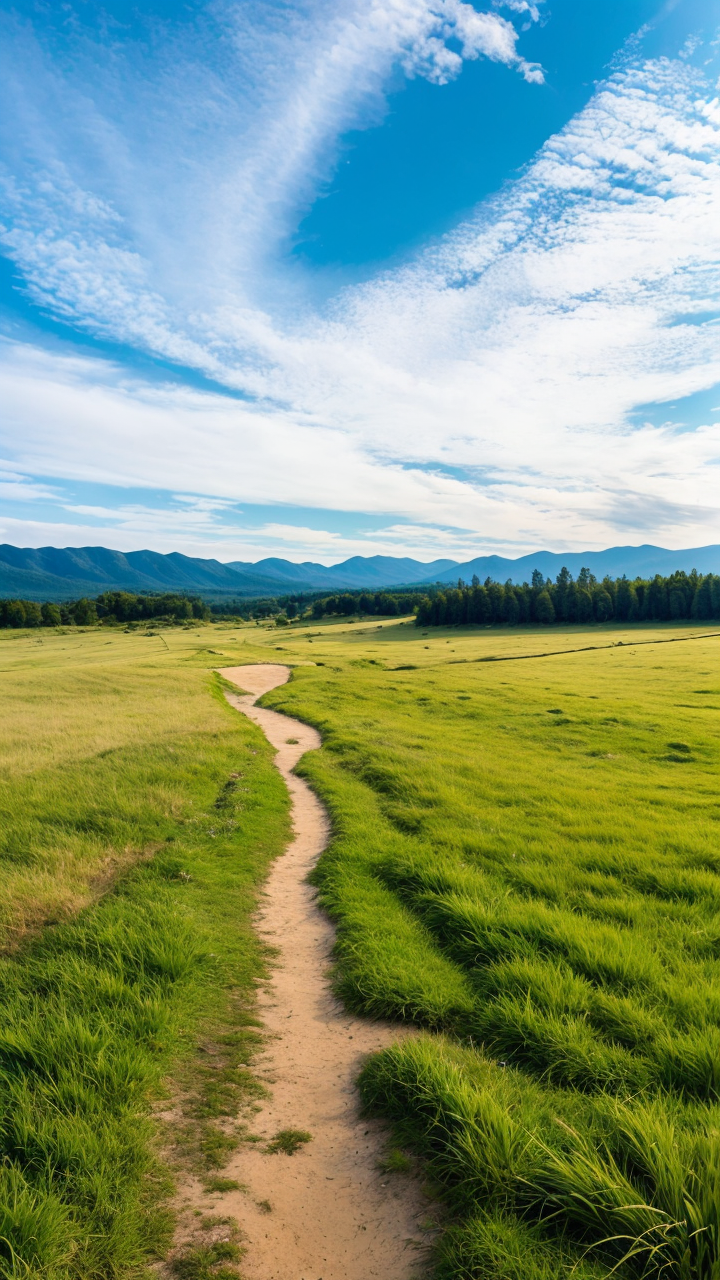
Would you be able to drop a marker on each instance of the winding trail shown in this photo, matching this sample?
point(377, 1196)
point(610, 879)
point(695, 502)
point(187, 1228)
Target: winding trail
point(334, 1215)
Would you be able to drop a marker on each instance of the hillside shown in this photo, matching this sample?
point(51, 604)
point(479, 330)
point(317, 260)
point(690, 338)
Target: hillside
point(52, 573)
point(634, 562)
point(357, 573)
point(49, 573)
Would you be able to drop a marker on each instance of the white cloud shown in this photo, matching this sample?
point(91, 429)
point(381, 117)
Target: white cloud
point(520, 6)
point(478, 34)
point(514, 351)
point(85, 420)
point(291, 542)
point(203, 165)
point(16, 487)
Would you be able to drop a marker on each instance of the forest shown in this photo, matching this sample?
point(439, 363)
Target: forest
point(674, 598)
point(384, 604)
point(681, 596)
point(390, 603)
point(110, 607)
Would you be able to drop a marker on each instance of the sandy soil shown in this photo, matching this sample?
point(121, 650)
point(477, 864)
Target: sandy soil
point(334, 1215)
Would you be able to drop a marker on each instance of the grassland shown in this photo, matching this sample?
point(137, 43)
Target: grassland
point(139, 814)
point(524, 864)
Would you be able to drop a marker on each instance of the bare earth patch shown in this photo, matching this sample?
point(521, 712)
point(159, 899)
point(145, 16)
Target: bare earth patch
point(317, 1209)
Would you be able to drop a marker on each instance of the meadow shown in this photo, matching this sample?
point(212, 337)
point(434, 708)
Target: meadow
point(524, 864)
point(139, 815)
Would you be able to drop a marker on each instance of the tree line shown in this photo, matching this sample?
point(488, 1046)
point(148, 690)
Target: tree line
point(385, 604)
point(109, 607)
point(681, 595)
point(390, 603)
point(260, 608)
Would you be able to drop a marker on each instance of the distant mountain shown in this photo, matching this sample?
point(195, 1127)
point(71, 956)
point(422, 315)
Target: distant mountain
point(50, 573)
point(360, 571)
point(635, 562)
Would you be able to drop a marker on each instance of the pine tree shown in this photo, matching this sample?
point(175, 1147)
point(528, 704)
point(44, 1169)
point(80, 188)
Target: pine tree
point(544, 608)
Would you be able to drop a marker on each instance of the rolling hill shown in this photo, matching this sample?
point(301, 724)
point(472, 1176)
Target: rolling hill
point(634, 562)
point(52, 573)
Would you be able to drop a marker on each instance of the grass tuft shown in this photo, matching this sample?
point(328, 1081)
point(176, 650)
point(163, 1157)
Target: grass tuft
point(221, 1185)
point(396, 1161)
point(289, 1141)
point(202, 1263)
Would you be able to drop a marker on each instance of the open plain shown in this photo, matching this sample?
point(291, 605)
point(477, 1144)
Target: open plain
point(523, 866)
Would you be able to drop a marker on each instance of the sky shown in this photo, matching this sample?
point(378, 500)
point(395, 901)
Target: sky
point(323, 278)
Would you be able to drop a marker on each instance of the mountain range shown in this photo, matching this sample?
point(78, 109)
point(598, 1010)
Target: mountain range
point(52, 573)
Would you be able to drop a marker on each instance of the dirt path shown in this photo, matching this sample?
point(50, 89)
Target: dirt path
point(334, 1215)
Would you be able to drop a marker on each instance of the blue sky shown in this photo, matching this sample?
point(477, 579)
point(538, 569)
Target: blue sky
point(321, 279)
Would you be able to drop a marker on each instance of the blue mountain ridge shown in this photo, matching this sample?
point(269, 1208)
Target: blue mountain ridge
point(52, 573)
point(358, 572)
point(635, 562)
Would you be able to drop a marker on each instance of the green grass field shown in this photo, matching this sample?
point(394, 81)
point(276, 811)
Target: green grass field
point(524, 863)
point(139, 814)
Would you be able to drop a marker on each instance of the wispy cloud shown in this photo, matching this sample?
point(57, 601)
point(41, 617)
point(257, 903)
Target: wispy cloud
point(16, 487)
point(521, 343)
point(193, 442)
point(142, 198)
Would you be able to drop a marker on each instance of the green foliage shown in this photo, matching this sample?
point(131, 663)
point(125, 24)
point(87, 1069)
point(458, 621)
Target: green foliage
point(112, 606)
point(51, 616)
point(544, 607)
point(682, 595)
point(123, 606)
point(383, 604)
point(389, 604)
point(84, 612)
